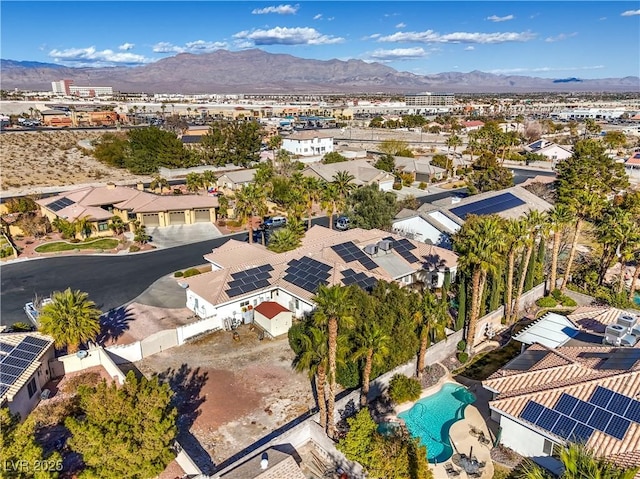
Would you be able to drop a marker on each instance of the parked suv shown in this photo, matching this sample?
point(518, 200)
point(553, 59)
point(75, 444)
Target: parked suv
point(275, 222)
point(342, 223)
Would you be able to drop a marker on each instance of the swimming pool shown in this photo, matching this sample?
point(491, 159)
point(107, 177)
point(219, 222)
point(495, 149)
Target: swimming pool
point(431, 418)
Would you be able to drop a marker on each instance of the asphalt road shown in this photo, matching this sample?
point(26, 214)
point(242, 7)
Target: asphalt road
point(112, 281)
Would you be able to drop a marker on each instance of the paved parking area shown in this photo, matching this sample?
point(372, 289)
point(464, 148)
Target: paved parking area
point(178, 235)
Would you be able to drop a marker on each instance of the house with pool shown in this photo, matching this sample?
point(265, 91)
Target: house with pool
point(245, 275)
point(547, 397)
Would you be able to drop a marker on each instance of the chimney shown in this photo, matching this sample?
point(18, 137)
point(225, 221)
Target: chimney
point(111, 186)
point(140, 186)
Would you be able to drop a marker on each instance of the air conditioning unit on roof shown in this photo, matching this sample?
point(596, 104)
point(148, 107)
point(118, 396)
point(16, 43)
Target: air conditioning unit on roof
point(385, 245)
point(371, 249)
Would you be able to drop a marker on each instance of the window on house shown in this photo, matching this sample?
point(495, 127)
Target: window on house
point(132, 216)
point(31, 387)
point(297, 304)
point(103, 226)
point(547, 448)
point(244, 303)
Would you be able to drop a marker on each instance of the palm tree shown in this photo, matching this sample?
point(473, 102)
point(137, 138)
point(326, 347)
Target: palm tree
point(65, 227)
point(516, 233)
point(581, 463)
point(71, 319)
point(635, 278)
point(312, 189)
point(479, 244)
point(285, 239)
point(334, 312)
point(454, 141)
point(116, 225)
point(343, 182)
point(586, 205)
point(194, 182)
point(559, 217)
point(84, 226)
point(209, 179)
point(373, 347)
point(158, 183)
point(251, 201)
point(314, 357)
point(329, 201)
point(432, 318)
point(534, 222)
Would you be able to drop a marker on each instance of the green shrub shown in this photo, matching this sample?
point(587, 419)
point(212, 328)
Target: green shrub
point(462, 345)
point(21, 327)
point(547, 302)
point(178, 274)
point(6, 252)
point(422, 185)
point(463, 357)
point(397, 186)
point(403, 388)
point(556, 294)
point(567, 301)
point(191, 272)
point(222, 222)
point(134, 248)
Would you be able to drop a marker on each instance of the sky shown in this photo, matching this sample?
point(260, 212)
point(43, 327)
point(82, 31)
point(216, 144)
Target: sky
point(550, 39)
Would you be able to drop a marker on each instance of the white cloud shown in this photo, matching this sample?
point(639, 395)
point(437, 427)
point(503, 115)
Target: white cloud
point(198, 46)
point(330, 19)
point(560, 37)
point(401, 25)
point(91, 57)
point(495, 18)
point(287, 36)
point(318, 16)
point(501, 71)
point(430, 36)
point(469, 48)
point(126, 47)
point(630, 13)
point(397, 54)
point(279, 9)
point(602, 18)
point(373, 36)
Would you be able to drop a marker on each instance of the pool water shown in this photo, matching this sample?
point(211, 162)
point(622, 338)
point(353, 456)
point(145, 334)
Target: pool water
point(637, 299)
point(431, 418)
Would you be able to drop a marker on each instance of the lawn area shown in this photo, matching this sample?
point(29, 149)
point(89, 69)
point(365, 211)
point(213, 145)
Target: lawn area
point(104, 243)
point(485, 364)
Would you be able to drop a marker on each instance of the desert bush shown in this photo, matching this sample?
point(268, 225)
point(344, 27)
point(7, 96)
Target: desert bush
point(191, 272)
point(134, 248)
point(403, 388)
point(462, 345)
point(71, 385)
point(54, 413)
point(397, 186)
point(556, 294)
point(178, 274)
point(422, 185)
point(463, 357)
point(567, 301)
point(547, 302)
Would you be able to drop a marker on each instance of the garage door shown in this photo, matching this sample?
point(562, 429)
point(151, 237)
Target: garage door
point(202, 216)
point(150, 219)
point(176, 218)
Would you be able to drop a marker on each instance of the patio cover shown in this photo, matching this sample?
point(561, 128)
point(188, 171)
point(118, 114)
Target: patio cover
point(551, 330)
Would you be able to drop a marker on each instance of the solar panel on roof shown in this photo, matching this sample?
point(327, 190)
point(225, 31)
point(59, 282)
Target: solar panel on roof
point(532, 411)
point(564, 426)
point(6, 348)
point(60, 204)
point(617, 427)
point(13, 361)
point(601, 397)
point(582, 411)
point(28, 355)
point(619, 403)
point(633, 411)
point(547, 419)
point(599, 419)
point(565, 404)
point(3, 389)
point(349, 252)
point(307, 273)
point(249, 280)
point(42, 343)
point(581, 433)
point(488, 206)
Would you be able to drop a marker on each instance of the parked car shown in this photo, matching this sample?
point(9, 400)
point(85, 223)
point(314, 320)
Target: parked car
point(275, 222)
point(342, 223)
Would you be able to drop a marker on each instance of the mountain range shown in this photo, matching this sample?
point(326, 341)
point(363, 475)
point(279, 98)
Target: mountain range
point(257, 71)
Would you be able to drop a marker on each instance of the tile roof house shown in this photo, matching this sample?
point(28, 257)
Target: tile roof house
point(363, 172)
point(235, 180)
point(433, 226)
point(308, 143)
point(421, 168)
point(246, 274)
point(24, 370)
point(550, 150)
point(546, 397)
point(130, 204)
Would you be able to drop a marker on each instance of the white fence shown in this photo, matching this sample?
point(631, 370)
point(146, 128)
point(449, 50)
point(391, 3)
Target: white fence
point(96, 356)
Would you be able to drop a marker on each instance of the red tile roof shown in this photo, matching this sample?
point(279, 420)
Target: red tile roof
point(270, 309)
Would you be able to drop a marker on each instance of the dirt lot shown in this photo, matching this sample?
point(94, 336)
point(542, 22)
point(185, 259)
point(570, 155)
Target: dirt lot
point(232, 393)
point(51, 158)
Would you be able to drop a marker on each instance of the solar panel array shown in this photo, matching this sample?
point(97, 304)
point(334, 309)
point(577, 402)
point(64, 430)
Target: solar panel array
point(496, 204)
point(350, 252)
point(249, 280)
point(60, 204)
point(18, 360)
point(349, 276)
point(404, 248)
point(307, 273)
point(574, 419)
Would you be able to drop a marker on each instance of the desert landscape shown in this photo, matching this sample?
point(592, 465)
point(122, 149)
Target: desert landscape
point(33, 160)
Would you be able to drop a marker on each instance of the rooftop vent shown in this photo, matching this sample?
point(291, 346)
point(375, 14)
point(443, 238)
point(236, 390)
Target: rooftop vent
point(385, 245)
point(371, 249)
point(455, 200)
point(627, 321)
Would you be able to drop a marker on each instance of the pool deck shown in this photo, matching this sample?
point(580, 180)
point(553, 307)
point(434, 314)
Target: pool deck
point(459, 434)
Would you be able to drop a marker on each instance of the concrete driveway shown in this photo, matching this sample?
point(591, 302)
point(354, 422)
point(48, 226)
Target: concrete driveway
point(178, 235)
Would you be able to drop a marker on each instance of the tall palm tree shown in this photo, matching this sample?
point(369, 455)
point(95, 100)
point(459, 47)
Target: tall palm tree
point(116, 225)
point(534, 222)
point(313, 357)
point(479, 244)
point(312, 189)
point(432, 319)
point(84, 226)
point(251, 201)
point(635, 279)
point(209, 178)
point(194, 182)
point(586, 205)
point(373, 347)
point(559, 218)
point(285, 239)
point(158, 183)
point(329, 201)
point(516, 232)
point(454, 141)
point(333, 311)
point(71, 319)
point(343, 182)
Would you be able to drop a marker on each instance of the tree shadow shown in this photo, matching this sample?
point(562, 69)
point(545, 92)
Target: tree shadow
point(187, 384)
point(113, 324)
